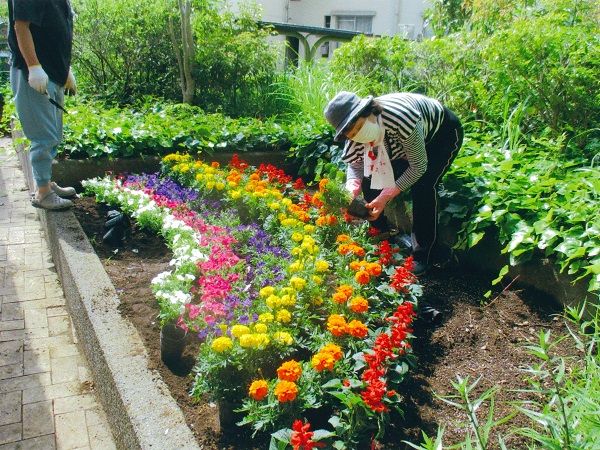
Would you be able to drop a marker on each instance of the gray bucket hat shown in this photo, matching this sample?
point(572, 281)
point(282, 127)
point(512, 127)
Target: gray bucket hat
point(343, 109)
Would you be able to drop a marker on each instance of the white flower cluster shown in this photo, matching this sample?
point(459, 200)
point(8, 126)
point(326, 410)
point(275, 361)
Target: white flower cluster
point(170, 287)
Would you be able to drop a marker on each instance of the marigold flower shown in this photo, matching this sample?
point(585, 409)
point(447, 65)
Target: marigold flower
point(317, 279)
point(286, 391)
point(259, 328)
point(323, 184)
point(222, 344)
point(283, 338)
point(239, 330)
point(289, 371)
point(359, 304)
point(284, 316)
point(343, 238)
point(357, 329)
point(321, 220)
point(297, 283)
point(355, 265)
point(297, 237)
point(266, 317)
point(339, 297)
point(322, 361)
point(235, 194)
point(258, 389)
point(336, 324)
point(321, 266)
point(266, 291)
point(362, 277)
point(346, 289)
point(373, 268)
point(309, 229)
point(220, 186)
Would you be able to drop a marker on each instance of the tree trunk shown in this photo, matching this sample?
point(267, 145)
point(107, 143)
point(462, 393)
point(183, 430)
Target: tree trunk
point(185, 51)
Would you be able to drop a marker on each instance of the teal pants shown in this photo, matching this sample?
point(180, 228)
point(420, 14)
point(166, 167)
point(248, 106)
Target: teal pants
point(42, 123)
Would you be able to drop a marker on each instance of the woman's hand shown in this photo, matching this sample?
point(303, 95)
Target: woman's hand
point(378, 205)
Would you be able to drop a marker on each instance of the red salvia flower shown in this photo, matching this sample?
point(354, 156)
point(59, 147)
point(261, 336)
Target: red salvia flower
point(302, 437)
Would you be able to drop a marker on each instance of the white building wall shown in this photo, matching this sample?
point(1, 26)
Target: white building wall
point(389, 17)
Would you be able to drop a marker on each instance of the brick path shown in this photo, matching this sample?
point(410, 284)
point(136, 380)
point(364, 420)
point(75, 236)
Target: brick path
point(47, 398)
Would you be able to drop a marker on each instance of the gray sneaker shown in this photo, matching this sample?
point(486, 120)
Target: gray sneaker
point(51, 201)
point(63, 191)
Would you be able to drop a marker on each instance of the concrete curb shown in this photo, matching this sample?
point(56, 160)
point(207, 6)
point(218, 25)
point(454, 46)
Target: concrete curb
point(140, 410)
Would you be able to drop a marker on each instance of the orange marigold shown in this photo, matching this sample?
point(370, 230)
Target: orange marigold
point(359, 304)
point(357, 329)
point(362, 277)
point(339, 297)
point(289, 371)
point(346, 289)
point(321, 220)
point(286, 391)
point(331, 220)
point(336, 324)
point(333, 349)
point(374, 269)
point(342, 238)
point(355, 265)
point(258, 389)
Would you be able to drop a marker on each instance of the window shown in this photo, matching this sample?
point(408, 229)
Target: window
point(362, 23)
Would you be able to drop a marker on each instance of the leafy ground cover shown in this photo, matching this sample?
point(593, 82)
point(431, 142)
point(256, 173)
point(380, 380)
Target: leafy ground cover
point(474, 340)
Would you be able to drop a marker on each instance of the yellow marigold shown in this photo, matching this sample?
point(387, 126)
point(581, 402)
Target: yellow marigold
point(210, 185)
point(258, 389)
point(296, 251)
point(289, 371)
point(239, 330)
point(359, 304)
point(296, 266)
point(274, 206)
point(297, 283)
point(343, 238)
point(318, 301)
point(286, 202)
point(199, 176)
point(273, 301)
point(246, 340)
point(221, 344)
point(286, 391)
point(266, 291)
point(259, 328)
point(283, 338)
point(336, 324)
point(321, 266)
point(317, 279)
point(362, 277)
point(297, 237)
point(288, 300)
point(309, 229)
point(374, 269)
point(284, 316)
point(266, 317)
point(260, 339)
point(357, 329)
point(235, 194)
point(220, 186)
point(288, 222)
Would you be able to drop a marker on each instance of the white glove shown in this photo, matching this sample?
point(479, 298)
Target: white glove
point(71, 84)
point(38, 78)
point(353, 186)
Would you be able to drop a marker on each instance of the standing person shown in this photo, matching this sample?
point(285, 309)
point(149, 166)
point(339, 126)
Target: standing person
point(396, 142)
point(40, 38)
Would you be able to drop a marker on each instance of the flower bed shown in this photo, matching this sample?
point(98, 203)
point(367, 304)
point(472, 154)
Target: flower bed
point(298, 310)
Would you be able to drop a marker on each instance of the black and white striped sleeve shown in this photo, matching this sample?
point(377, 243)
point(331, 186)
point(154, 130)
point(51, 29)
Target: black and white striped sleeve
point(414, 150)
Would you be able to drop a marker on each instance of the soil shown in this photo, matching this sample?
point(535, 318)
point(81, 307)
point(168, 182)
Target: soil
point(475, 339)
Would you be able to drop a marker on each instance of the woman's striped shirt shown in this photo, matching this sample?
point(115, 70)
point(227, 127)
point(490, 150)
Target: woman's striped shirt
point(410, 121)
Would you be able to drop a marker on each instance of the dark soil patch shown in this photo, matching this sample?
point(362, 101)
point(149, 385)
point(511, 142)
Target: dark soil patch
point(474, 340)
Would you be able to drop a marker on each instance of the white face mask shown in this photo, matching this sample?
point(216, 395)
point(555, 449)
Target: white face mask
point(369, 132)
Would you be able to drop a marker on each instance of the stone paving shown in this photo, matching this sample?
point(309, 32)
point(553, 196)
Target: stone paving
point(47, 398)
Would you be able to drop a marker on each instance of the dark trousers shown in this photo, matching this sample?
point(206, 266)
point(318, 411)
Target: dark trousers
point(441, 151)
